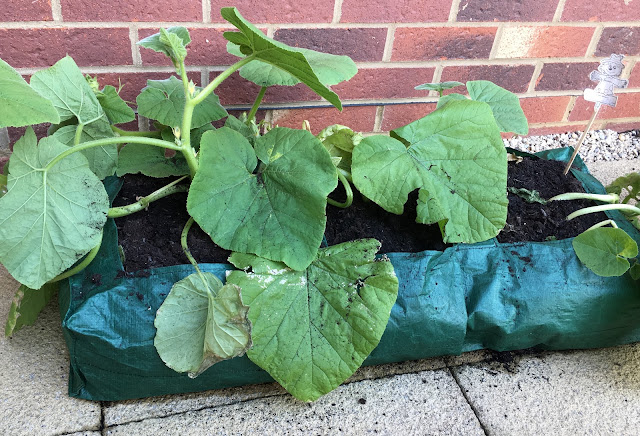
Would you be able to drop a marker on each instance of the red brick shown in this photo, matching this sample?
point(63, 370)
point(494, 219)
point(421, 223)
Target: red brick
point(621, 40)
point(622, 127)
point(26, 10)
point(128, 10)
point(506, 10)
point(634, 78)
point(285, 11)
point(555, 130)
point(544, 109)
point(628, 107)
point(380, 83)
point(207, 47)
point(542, 41)
point(569, 76)
point(399, 115)
point(44, 47)
point(132, 83)
point(394, 11)
point(236, 90)
point(515, 78)
point(601, 10)
point(360, 119)
point(415, 43)
point(357, 43)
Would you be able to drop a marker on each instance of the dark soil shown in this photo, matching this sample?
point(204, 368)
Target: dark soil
point(152, 239)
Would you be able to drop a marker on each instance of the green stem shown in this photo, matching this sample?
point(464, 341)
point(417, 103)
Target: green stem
point(185, 80)
point(151, 134)
point(202, 95)
point(78, 137)
point(608, 198)
point(82, 265)
point(256, 104)
point(143, 203)
point(110, 141)
point(602, 224)
point(347, 188)
point(603, 208)
point(187, 252)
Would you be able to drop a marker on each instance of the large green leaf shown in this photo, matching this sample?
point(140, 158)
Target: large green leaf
point(50, 217)
point(605, 250)
point(27, 305)
point(253, 42)
point(340, 142)
point(164, 100)
point(449, 97)
point(277, 212)
point(455, 155)
point(20, 105)
point(117, 110)
point(201, 323)
point(504, 104)
point(68, 90)
point(172, 42)
point(312, 329)
point(330, 69)
point(103, 159)
point(150, 161)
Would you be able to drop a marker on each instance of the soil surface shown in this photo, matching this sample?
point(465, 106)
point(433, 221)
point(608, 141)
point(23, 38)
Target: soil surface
point(152, 239)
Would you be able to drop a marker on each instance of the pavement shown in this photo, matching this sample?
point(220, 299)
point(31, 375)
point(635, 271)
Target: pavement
point(480, 393)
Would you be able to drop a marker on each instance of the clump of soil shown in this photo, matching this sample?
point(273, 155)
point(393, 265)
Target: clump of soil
point(152, 239)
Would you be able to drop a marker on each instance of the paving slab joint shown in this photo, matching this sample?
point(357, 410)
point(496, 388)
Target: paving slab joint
point(466, 398)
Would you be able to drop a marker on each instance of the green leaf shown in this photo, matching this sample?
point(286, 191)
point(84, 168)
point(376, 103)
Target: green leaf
point(68, 90)
point(605, 250)
point(528, 195)
point(627, 187)
point(439, 86)
point(450, 97)
point(27, 305)
point(339, 142)
point(117, 110)
point(455, 155)
point(172, 42)
point(330, 69)
point(250, 132)
point(254, 43)
point(312, 329)
point(277, 212)
point(164, 100)
point(151, 161)
point(102, 160)
point(50, 217)
point(634, 271)
point(20, 105)
point(201, 323)
point(504, 104)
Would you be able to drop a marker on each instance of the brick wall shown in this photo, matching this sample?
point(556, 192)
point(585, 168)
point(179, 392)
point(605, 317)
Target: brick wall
point(543, 50)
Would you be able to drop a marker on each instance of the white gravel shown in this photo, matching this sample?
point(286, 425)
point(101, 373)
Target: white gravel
point(599, 145)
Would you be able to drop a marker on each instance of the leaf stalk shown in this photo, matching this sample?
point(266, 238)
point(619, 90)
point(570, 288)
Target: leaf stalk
point(143, 203)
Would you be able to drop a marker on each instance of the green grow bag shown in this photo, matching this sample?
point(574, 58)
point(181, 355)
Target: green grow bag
point(469, 297)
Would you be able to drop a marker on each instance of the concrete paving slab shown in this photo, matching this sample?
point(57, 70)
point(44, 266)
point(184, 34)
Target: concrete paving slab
point(569, 393)
point(34, 376)
point(120, 412)
point(428, 402)
point(85, 433)
point(608, 171)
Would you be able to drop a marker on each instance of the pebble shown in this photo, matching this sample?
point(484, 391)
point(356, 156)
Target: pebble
point(599, 145)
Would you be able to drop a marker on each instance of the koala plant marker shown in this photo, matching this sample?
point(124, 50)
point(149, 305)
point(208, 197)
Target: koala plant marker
point(608, 78)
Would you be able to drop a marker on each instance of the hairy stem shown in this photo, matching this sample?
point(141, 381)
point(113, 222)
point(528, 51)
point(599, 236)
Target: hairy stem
point(109, 141)
point(602, 224)
point(347, 188)
point(82, 265)
point(153, 134)
point(78, 137)
point(607, 198)
point(256, 105)
point(143, 203)
point(603, 208)
point(187, 252)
